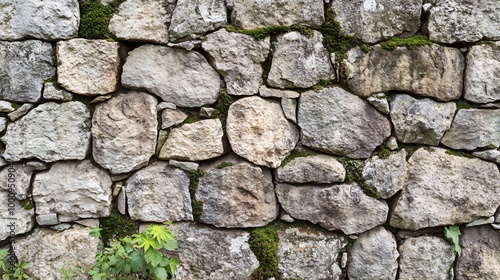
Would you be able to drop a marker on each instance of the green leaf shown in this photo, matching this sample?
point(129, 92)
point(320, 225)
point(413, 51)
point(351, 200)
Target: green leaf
point(171, 245)
point(95, 232)
point(173, 266)
point(452, 234)
point(160, 273)
point(137, 261)
point(153, 257)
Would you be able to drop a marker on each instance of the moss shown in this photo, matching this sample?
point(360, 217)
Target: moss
point(116, 226)
point(384, 153)
point(190, 119)
point(463, 105)
point(52, 80)
point(224, 164)
point(411, 43)
point(261, 33)
point(194, 180)
point(95, 18)
point(15, 105)
point(323, 84)
point(354, 174)
point(459, 153)
point(302, 152)
point(27, 204)
point(222, 106)
point(264, 244)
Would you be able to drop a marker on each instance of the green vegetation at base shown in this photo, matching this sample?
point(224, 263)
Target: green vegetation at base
point(224, 164)
point(302, 152)
point(354, 174)
point(264, 244)
point(263, 32)
point(452, 234)
point(95, 18)
point(194, 180)
point(15, 105)
point(116, 226)
point(27, 203)
point(460, 153)
point(384, 153)
point(222, 106)
point(411, 43)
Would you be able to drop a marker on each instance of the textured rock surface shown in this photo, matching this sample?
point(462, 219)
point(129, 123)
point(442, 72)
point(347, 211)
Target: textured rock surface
point(240, 195)
point(193, 18)
point(388, 175)
point(195, 141)
point(50, 132)
point(289, 107)
point(88, 67)
point(47, 20)
point(74, 189)
point(453, 21)
point(21, 111)
point(208, 253)
point(474, 128)
point(432, 71)
point(343, 207)
point(144, 21)
point(175, 75)
point(23, 68)
point(22, 179)
point(373, 21)
point(337, 122)
point(258, 131)
point(299, 61)
point(68, 249)
point(490, 155)
point(482, 75)
point(374, 255)
point(124, 132)
point(421, 121)
point(239, 59)
point(480, 257)
point(320, 169)
point(443, 189)
point(171, 117)
point(250, 14)
point(14, 219)
point(159, 193)
point(306, 253)
point(425, 257)
point(379, 101)
point(50, 91)
point(272, 92)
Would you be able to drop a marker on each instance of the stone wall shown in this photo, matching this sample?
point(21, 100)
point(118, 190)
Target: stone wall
point(356, 148)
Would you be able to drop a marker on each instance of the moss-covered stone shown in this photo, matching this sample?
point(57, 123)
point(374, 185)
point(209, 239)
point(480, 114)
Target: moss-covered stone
point(459, 153)
point(224, 164)
point(222, 106)
point(411, 43)
point(384, 153)
point(116, 226)
point(27, 203)
point(94, 20)
point(194, 180)
point(354, 173)
point(264, 244)
point(302, 152)
point(263, 32)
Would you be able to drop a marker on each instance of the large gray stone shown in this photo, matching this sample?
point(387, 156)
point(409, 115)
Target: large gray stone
point(23, 68)
point(14, 218)
point(124, 131)
point(193, 18)
point(239, 59)
point(74, 189)
point(374, 255)
point(299, 61)
point(307, 253)
point(388, 175)
point(337, 122)
point(432, 71)
point(258, 130)
point(206, 253)
point(159, 193)
point(50, 132)
point(374, 21)
point(453, 21)
point(237, 196)
point(17, 179)
point(422, 121)
point(175, 75)
point(46, 20)
point(339, 207)
point(482, 75)
point(474, 128)
point(480, 257)
point(319, 169)
point(443, 189)
point(49, 252)
point(88, 67)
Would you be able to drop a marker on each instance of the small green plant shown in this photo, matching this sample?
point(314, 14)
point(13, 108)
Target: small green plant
point(18, 272)
point(264, 244)
point(384, 153)
point(138, 256)
point(222, 106)
point(410, 43)
point(261, 33)
point(67, 272)
point(194, 180)
point(452, 234)
point(27, 203)
point(302, 152)
point(224, 164)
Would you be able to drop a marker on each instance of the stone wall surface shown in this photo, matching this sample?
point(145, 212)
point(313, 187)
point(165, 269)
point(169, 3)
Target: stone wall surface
point(286, 139)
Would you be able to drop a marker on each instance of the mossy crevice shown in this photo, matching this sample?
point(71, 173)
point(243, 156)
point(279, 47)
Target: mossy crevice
point(410, 43)
point(194, 180)
point(263, 32)
point(384, 153)
point(224, 165)
point(27, 204)
point(302, 152)
point(116, 226)
point(460, 153)
point(354, 174)
point(95, 17)
point(264, 244)
point(222, 106)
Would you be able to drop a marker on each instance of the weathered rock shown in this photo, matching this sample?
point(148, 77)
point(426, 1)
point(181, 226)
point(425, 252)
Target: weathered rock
point(299, 61)
point(3, 124)
point(159, 193)
point(6, 107)
point(392, 143)
point(240, 195)
point(480, 257)
point(207, 112)
point(184, 165)
point(47, 20)
point(193, 18)
point(175, 75)
point(208, 253)
point(259, 132)
point(425, 257)
point(195, 141)
point(124, 132)
point(23, 68)
point(50, 252)
point(144, 21)
point(279, 93)
point(47, 219)
point(374, 21)
point(432, 71)
point(453, 21)
point(50, 132)
point(337, 122)
point(21, 111)
point(474, 128)
point(88, 67)
point(320, 169)
point(121, 202)
point(307, 253)
point(289, 107)
point(171, 117)
point(75, 189)
point(343, 207)
point(481, 221)
point(187, 45)
point(20, 178)
point(88, 222)
point(250, 14)
point(165, 105)
point(490, 155)
point(162, 137)
point(379, 101)
point(239, 59)
point(482, 75)
point(421, 121)
point(12, 212)
point(374, 255)
point(50, 91)
point(443, 189)
point(388, 175)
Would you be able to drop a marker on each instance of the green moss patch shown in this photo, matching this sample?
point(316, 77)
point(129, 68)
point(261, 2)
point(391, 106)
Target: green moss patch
point(411, 43)
point(94, 20)
point(302, 152)
point(27, 203)
point(264, 244)
point(261, 33)
point(222, 106)
point(354, 174)
point(116, 226)
point(224, 164)
point(194, 180)
point(459, 153)
point(384, 153)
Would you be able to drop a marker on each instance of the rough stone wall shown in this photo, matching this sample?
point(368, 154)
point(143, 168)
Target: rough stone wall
point(227, 116)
